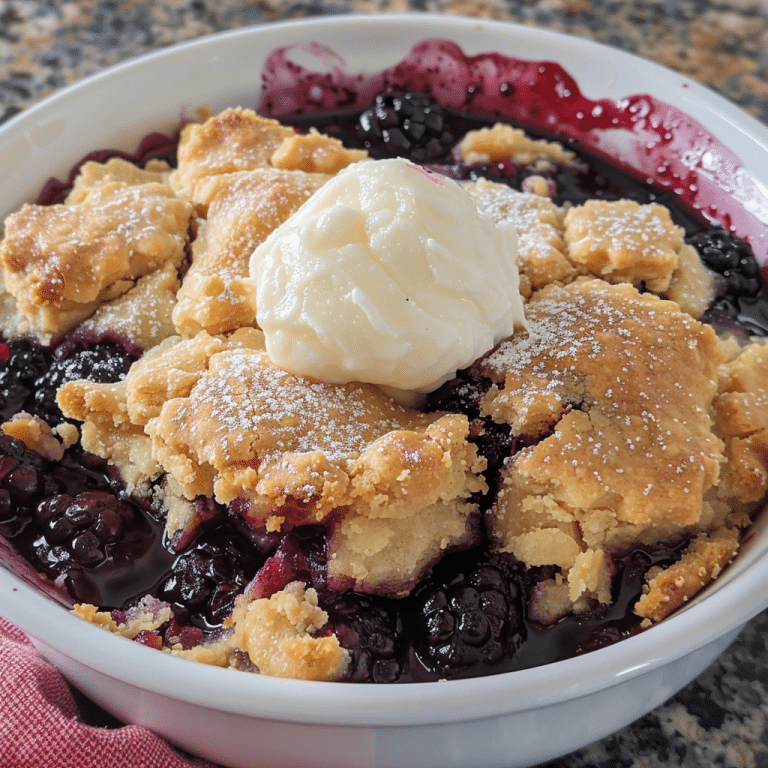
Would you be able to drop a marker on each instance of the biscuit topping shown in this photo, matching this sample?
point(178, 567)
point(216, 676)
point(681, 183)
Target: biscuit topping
point(212, 462)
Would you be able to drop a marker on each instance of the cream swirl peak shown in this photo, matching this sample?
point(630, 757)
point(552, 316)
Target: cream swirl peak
point(388, 275)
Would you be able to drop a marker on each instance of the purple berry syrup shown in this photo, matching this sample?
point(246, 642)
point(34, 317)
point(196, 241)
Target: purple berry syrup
point(639, 133)
point(73, 522)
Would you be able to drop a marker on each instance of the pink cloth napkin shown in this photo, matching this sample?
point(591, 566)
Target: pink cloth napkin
point(41, 727)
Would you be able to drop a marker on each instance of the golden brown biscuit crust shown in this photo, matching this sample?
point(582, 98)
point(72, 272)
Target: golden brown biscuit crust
point(613, 385)
point(616, 388)
point(624, 241)
point(61, 262)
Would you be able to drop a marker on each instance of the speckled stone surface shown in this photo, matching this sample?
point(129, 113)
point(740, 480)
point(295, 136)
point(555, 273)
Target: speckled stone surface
point(721, 719)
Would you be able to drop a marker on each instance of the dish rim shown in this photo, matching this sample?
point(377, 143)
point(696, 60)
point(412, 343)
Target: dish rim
point(399, 704)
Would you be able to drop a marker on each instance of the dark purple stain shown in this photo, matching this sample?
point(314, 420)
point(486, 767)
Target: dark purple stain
point(639, 132)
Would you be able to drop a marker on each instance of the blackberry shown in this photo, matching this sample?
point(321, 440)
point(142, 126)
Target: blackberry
point(730, 257)
point(300, 556)
point(743, 298)
point(467, 619)
point(411, 125)
point(24, 484)
point(206, 512)
point(14, 452)
point(23, 480)
point(369, 628)
point(514, 175)
point(67, 520)
point(81, 530)
point(495, 443)
point(23, 361)
point(180, 632)
point(103, 362)
point(464, 394)
point(207, 578)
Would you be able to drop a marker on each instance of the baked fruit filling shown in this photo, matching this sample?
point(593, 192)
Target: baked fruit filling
point(581, 475)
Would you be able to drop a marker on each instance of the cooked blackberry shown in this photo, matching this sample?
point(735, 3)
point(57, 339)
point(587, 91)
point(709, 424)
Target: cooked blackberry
point(71, 520)
point(12, 449)
point(103, 362)
point(369, 627)
point(730, 257)
point(82, 529)
point(206, 578)
point(180, 632)
point(467, 618)
point(495, 443)
point(464, 395)
point(512, 174)
point(300, 556)
point(411, 125)
point(23, 480)
point(24, 484)
point(743, 297)
point(23, 361)
point(206, 514)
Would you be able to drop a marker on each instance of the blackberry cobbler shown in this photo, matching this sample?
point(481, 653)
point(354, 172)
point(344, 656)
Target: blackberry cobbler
point(579, 481)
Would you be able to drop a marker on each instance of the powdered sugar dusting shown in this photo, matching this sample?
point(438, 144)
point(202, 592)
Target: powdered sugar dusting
point(251, 403)
point(640, 371)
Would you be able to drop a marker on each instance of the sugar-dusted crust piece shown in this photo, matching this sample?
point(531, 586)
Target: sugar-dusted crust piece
point(503, 142)
point(221, 420)
point(616, 386)
point(741, 419)
point(241, 209)
point(172, 369)
point(143, 315)
point(114, 415)
point(148, 615)
point(231, 141)
point(703, 560)
point(692, 286)
point(314, 152)
point(288, 444)
point(116, 169)
point(623, 241)
point(541, 251)
point(282, 636)
point(50, 442)
point(246, 174)
point(61, 262)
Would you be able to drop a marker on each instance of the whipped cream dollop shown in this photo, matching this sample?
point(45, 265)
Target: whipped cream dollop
point(388, 274)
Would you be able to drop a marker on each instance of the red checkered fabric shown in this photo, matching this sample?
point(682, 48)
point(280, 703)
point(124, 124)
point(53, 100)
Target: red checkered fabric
point(41, 727)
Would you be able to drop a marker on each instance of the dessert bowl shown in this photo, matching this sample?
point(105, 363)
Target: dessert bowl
point(714, 156)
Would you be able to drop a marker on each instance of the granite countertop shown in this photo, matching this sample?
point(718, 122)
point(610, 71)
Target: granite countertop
point(720, 719)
